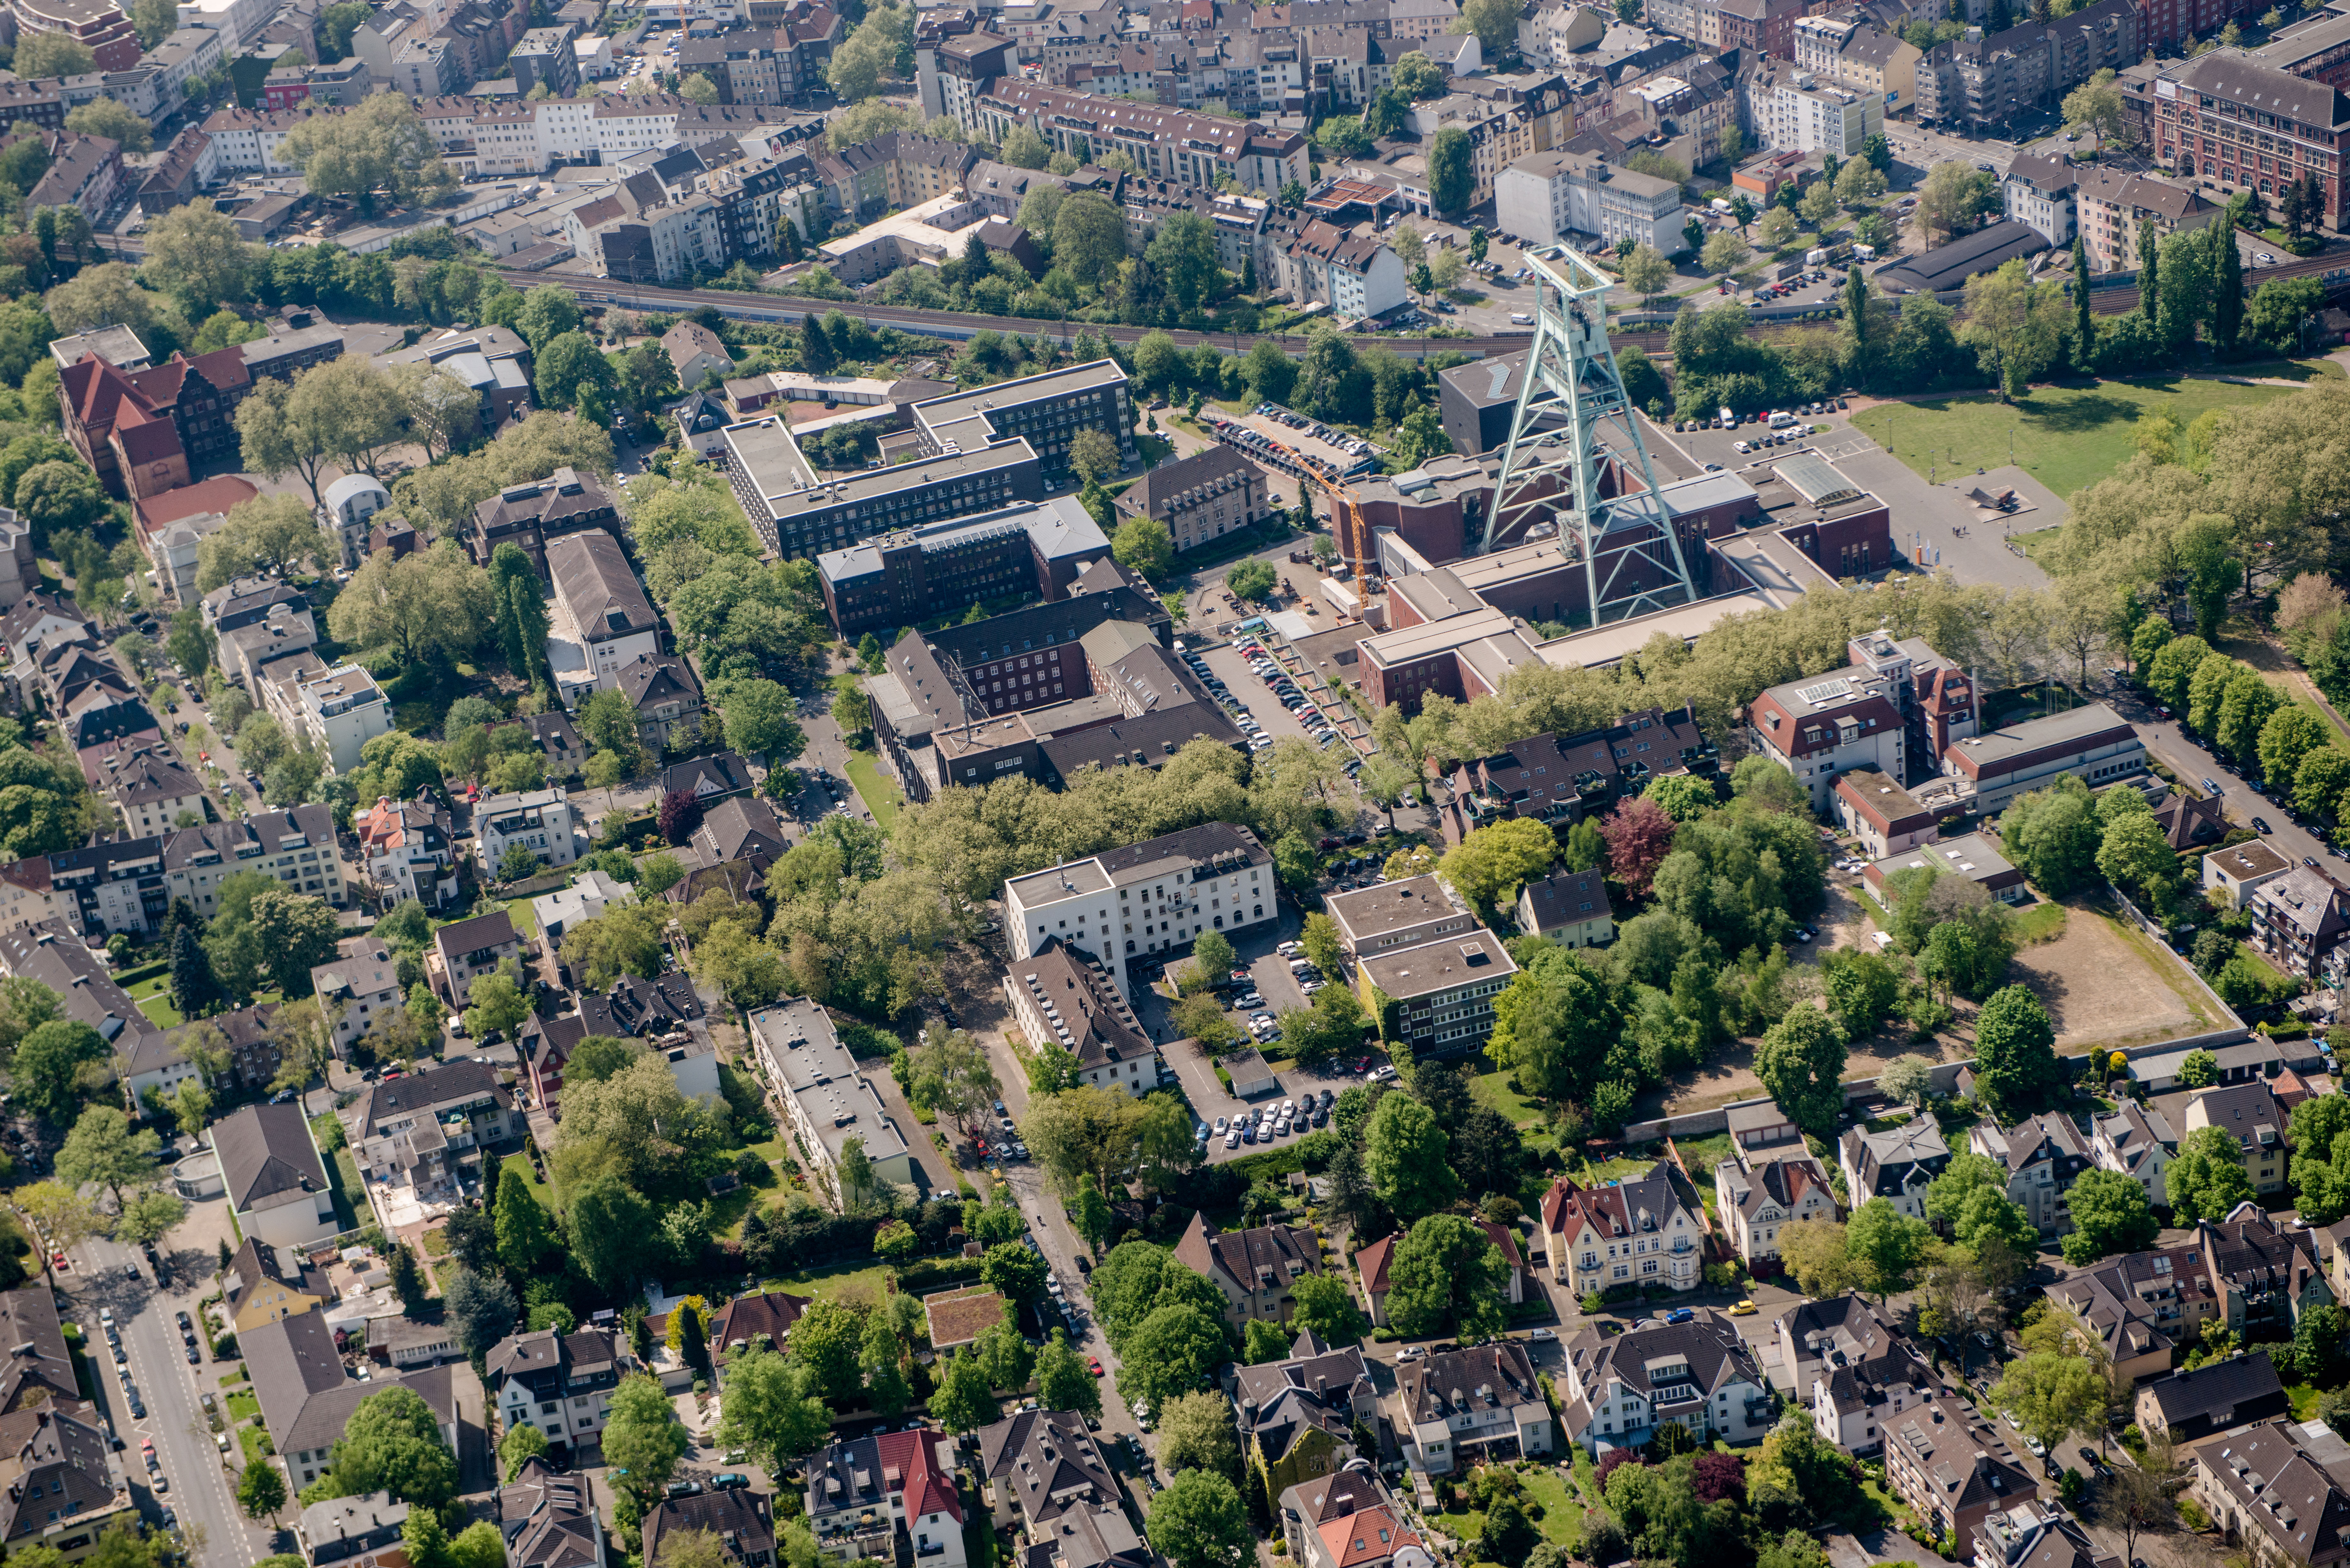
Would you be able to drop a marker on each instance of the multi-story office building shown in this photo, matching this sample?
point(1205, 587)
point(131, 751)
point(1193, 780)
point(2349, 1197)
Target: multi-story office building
point(994, 550)
point(800, 514)
point(1062, 996)
point(2093, 743)
point(1154, 897)
point(1444, 990)
point(1047, 411)
point(545, 57)
point(1401, 914)
point(1562, 194)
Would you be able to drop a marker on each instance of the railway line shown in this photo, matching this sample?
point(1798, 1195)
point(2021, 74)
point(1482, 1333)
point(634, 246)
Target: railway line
point(959, 327)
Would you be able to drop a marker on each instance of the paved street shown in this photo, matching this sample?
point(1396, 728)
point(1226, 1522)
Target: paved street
point(202, 1483)
point(2167, 740)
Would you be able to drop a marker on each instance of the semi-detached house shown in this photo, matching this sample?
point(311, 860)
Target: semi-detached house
point(1635, 1232)
point(1256, 1268)
point(1897, 1164)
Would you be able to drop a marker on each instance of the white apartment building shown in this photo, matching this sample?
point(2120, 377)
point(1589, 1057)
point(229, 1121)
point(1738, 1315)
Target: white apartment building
point(336, 711)
point(1060, 998)
point(1444, 1429)
point(1170, 144)
point(2136, 1142)
point(1809, 115)
point(825, 1100)
point(362, 979)
point(190, 52)
point(1156, 897)
point(2038, 189)
point(601, 620)
point(1700, 1376)
point(1550, 196)
point(560, 1383)
point(1351, 271)
point(543, 821)
point(1636, 1231)
point(1833, 723)
point(352, 503)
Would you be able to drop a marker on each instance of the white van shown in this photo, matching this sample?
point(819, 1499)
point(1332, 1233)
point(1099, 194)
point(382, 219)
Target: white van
point(1782, 419)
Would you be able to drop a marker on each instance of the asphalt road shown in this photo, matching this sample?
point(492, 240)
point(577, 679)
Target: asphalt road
point(2193, 763)
point(202, 1483)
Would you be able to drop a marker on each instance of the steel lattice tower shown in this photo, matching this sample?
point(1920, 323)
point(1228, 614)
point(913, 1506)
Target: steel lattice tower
point(1550, 468)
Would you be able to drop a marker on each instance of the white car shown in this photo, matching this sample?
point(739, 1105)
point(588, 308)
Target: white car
point(1223, 1125)
point(1410, 1353)
point(1233, 1139)
point(1543, 1336)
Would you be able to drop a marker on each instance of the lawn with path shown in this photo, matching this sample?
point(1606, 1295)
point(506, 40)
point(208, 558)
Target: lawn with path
point(881, 797)
point(2065, 437)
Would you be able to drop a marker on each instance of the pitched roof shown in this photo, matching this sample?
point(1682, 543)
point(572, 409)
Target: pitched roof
point(2218, 1395)
point(593, 579)
point(1250, 1257)
point(265, 1150)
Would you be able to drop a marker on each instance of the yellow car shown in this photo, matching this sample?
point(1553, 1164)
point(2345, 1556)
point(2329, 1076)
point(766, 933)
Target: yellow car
point(1744, 1309)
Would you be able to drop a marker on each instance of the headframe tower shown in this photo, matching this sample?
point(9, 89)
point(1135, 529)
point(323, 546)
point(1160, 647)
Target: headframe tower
point(1572, 395)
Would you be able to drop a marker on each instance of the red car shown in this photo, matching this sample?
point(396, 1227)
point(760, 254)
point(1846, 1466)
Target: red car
point(1094, 1366)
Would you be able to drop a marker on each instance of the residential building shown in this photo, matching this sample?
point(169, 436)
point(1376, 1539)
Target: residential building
point(420, 1141)
point(2045, 1155)
point(2259, 1276)
point(1844, 720)
point(1047, 1476)
point(464, 950)
point(1255, 1268)
point(1202, 497)
point(2250, 1112)
point(1444, 989)
point(828, 1102)
point(407, 850)
point(543, 821)
point(560, 1383)
point(337, 712)
point(585, 898)
point(99, 26)
point(1569, 907)
point(2299, 920)
point(2133, 1304)
point(346, 1529)
point(1348, 1521)
point(667, 697)
point(741, 1323)
point(1807, 115)
point(1560, 780)
point(2274, 1481)
point(2038, 189)
point(1170, 144)
point(1758, 1200)
point(741, 827)
point(1297, 1417)
point(2039, 1535)
point(549, 1520)
point(2189, 1406)
point(352, 501)
point(695, 351)
point(2231, 874)
point(861, 1493)
point(1698, 1374)
point(263, 1283)
point(1567, 193)
point(150, 790)
point(544, 57)
point(1442, 1430)
point(65, 1491)
point(1063, 997)
point(602, 620)
point(362, 980)
point(1352, 271)
point(1887, 820)
point(1635, 1232)
point(706, 780)
point(1151, 897)
point(277, 1187)
point(2133, 1141)
point(1850, 1368)
point(744, 1520)
point(1897, 1164)
point(534, 513)
point(1951, 1466)
point(113, 884)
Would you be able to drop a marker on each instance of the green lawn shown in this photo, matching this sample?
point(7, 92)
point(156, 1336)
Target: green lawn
point(2043, 922)
point(881, 797)
point(1493, 1090)
point(827, 1283)
point(526, 921)
point(2065, 437)
point(1562, 1520)
point(244, 1405)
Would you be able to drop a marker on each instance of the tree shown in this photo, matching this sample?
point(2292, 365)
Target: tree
point(1724, 252)
point(1143, 544)
point(1404, 1157)
point(148, 1217)
point(2109, 1215)
point(1639, 834)
point(2133, 1501)
point(759, 722)
point(2053, 835)
point(1494, 21)
point(63, 1218)
point(526, 1232)
point(117, 122)
point(1490, 862)
point(1953, 195)
point(1251, 580)
point(772, 1409)
point(1088, 238)
point(522, 1444)
point(1198, 1520)
point(964, 1401)
point(1801, 1061)
point(1446, 1271)
point(2015, 1046)
point(432, 603)
point(392, 1443)
point(1814, 1251)
point(1195, 1433)
point(482, 1309)
point(2206, 1179)
point(1886, 1246)
point(261, 1492)
point(2049, 1394)
point(103, 1150)
point(41, 56)
point(1064, 1381)
point(47, 1073)
point(1169, 1353)
point(1451, 181)
point(1015, 1270)
point(643, 1436)
point(1326, 1305)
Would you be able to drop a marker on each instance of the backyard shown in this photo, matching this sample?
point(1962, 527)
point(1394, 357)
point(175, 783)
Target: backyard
point(881, 797)
point(2065, 437)
point(1561, 1513)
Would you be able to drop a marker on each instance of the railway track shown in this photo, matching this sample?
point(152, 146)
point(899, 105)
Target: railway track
point(959, 327)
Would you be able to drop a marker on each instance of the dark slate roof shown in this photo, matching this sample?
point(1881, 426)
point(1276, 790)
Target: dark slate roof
point(265, 1150)
point(2219, 1395)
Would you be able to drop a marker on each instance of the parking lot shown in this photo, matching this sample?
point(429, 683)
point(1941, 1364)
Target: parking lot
point(1249, 692)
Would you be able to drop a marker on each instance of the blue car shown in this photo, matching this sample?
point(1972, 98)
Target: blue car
point(1681, 1315)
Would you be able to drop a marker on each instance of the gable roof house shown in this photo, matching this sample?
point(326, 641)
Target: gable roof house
point(2045, 1155)
point(1951, 1466)
point(2262, 1275)
point(744, 1522)
point(2270, 1482)
point(1698, 1374)
point(306, 1399)
point(1348, 1521)
point(62, 1486)
point(862, 1493)
point(1255, 1268)
point(549, 1520)
point(2136, 1142)
point(1297, 1417)
point(665, 695)
point(1046, 1475)
point(2135, 1310)
point(1852, 1368)
point(532, 513)
point(1637, 1232)
point(2251, 1113)
point(264, 1283)
point(276, 1184)
point(739, 827)
point(1459, 1409)
point(560, 1383)
point(2214, 1397)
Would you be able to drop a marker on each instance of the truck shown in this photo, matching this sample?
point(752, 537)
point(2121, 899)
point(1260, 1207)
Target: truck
point(1864, 253)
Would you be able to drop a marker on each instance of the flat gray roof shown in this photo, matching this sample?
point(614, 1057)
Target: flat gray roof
point(1440, 964)
point(1056, 527)
point(2033, 734)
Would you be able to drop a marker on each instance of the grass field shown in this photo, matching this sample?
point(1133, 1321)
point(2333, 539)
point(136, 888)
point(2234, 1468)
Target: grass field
point(1562, 1520)
point(1493, 1090)
point(2043, 922)
point(826, 1282)
point(881, 797)
point(2065, 437)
